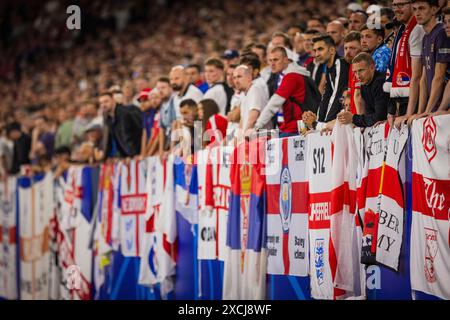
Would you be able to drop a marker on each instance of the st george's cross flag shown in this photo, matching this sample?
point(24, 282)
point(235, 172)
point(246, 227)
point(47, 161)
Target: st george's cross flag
point(322, 257)
point(287, 206)
point(133, 205)
point(158, 255)
point(430, 231)
point(390, 218)
point(375, 139)
point(345, 227)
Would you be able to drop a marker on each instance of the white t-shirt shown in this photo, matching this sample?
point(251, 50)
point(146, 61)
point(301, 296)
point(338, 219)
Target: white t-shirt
point(218, 94)
point(192, 92)
point(256, 98)
point(415, 41)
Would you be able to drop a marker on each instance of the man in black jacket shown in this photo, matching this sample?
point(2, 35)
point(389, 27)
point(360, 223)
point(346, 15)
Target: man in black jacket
point(374, 99)
point(123, 128)
point(336, 78)
point(21, 148)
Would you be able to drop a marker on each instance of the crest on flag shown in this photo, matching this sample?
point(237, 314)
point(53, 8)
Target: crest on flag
point(285, 199)
point(431, 249)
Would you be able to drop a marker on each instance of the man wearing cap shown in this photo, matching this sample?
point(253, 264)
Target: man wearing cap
point(230, 57)
point(148, 117)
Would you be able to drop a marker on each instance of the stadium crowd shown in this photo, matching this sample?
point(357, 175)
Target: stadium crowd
point(135, 73)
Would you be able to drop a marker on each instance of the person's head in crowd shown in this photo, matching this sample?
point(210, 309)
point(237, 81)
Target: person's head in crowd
point(66, 114)
point(214, 71)
point(308, 37)
point(128, 90)
point(188, 110)
point(299, 43)
point(446, 12)
point(336, 30)
point(13, 131)
point(281, 39)
point(206, 108)
point(402, 10)
point(352, 45)
point(93, 133)
point(352, 7)
point(278, 59)
point(425, 10)
point(386, 19)
point(144, 99)
point(118, 96)
point(230, 57)
point(243, 78)
point(293, 30)
point(364, 67)
point(261, 51)
point(324, 50)
point(164, 88)
point(140, 83)
point(154, 98)
point(193, 72)
point(229, 75)
point(251, 60)
point(178, 79)
point(357, 20)
point(89, 109)
point(371, 38)
point(62, 154)
point(107, 103)
point(344, 22)
point(316, 23)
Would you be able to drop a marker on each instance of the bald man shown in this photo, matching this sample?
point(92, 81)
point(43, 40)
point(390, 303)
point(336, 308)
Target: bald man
point(357, 20)
point(179, 82)
point(336, 30)
point(255, 96)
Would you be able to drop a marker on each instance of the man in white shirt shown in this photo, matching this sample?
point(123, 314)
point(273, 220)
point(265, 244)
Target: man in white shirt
point(255, 96)
point(214, 75)
point(179, 82)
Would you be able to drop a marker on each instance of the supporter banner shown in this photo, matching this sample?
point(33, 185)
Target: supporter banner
point(158, 255)
point(35, 210)
point(322, 257)
point(8, 238)
point(207, 217)
point(246, 260)
point(375, 139)
point(430, 234)
point(346, 232)
point(390, 219)
point(75, 228)
point(133, 205)
point(287, 206)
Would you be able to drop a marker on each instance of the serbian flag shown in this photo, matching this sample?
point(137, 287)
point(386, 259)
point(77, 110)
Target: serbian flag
point(287, 206)
point(8, 238)
point(346, 232)
point(390, 217)
point(430, 231)
point(246, 261)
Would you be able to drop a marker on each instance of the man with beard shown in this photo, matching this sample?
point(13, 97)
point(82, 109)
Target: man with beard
point(179, 81)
